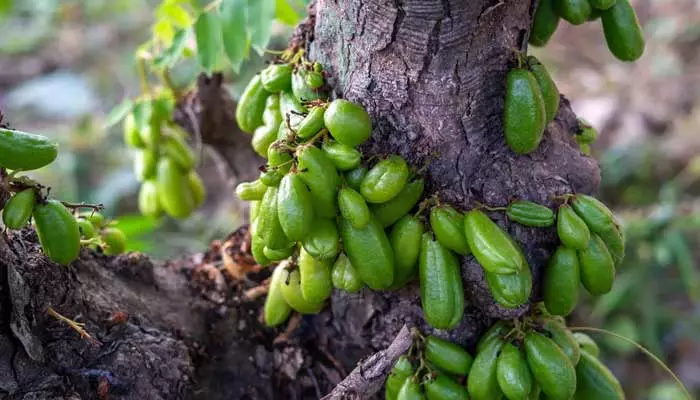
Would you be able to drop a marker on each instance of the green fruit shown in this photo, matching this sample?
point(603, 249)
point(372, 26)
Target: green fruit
point(385, 180)
point(271, 177)
point(597, 216)
point(343, 157)
point(87, 230)
point(132, 136)
point(614, 239)
point(18, 210)
point(345, 276)
point(173, 189)
point(348, 122)
point(268, 224)
point(197, 188)
point(572, 230)
point(391, 211)
point(510, 290)
point(597, 267)
point(623, 34)
point(279, 254)
point(353, 207)
point(410, 390)
point(322, 242)
point(595, 381)
point(492, 247)
point(320, 175)
point(576, 12)
point(561, 282)
point(149, 201)
point(525, 116)
point(602, 4)
point(513, 375)
point(250, 191)
point(291, 292)
point(448, 226)
point(442, 387)
point(290, 105)
point(114, 240)
point(276, 309)
point(529, 213)
point(179, 151)
point(586, 134)
point(314, 80)
point(587, 344)
point(440, 300)
point(405, 239)
point(311, 124)
point(497, 330)
point(151, 135)
point(97, 219)
point(253, 209)
point(549, 90)
point(279, 156)
point(354, 177)
point(370, 253)
point(401, 371)
point(294, 207)
point(145, 164)
point(58, 231)
point(276, 77)
point(447, 356)
point(25, 151)
point(257, 249)
point(315, 275)
point(301, 89)
point(263, 136)
point(560, 335)
point(551, 368)
point(544, 24)
point(249, 111)
point(482, 381)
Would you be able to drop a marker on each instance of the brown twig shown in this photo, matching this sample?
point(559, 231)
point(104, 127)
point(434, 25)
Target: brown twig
point(77, 326)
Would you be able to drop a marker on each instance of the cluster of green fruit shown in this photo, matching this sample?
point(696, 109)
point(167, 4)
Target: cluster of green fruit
point(60, 232)
point(623, 33)
point(529, 359)
point(163, 160)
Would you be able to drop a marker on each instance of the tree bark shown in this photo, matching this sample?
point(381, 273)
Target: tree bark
point(432, 75)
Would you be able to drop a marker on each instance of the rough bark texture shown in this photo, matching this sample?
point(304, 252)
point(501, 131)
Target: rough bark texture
point(431, 74)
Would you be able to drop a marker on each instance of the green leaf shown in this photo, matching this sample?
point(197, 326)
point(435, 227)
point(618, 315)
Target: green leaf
point(286, 13)
point(175, 13)
point(5, 7)
point(163, 32)
point(136, 225)
point(118, 113)
point(207, 32)
point(261, 13)
point(172, 54)
point(684, 262)
point(233, 24)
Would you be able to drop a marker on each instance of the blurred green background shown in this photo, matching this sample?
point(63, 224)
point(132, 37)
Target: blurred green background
point(64, 64)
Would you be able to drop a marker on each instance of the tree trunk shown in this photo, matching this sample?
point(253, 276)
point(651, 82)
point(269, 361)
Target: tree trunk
point(432, 75)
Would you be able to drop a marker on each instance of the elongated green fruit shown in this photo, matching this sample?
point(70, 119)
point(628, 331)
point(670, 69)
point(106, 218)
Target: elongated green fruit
point(87, 229)
point(294, 207)
point(348, 122)
point(410, 390)
point(544, 24)
point(250, 191)
point(529, 213)
point(353, 207)
point(401, 371)
point(510, 290)
point(276, 309)
point(311, 124)
point(290, 105)
point(448, 226)
point(173, 189)
point(614, 239)
point(257, 248)
point(437, 295)
point(563, 338)
point(315, 275)
point(277, 77)
point(513, 374)
point(301, 88)
point(149, 201)
point(25, 151)
point(561, 282)
point(442, 387)
point(550, 93)
point(268, 225)
point(279, 254)
point(265, 134)
point(497, 330)
point(18, 210)
point(448, 356)
point(58, 231)
point(249, 111)
point(587, 344)
point(595, 381)
point(525, 116)
point(145, 164)
point(457, 290)
point(572, 230)
point(355, 176)
point(320, 175)
point(597, 267)
point(179, 151)
point(602, 4)
point(343, 156)
point(385, 180)
point(492, 247)
point(597, 215)
point(575, 12)
point(345, 276)
point(291, 292)
point(114, 240)
point(322, 242)
point(623, 34)
point(197, 188)
point(370, 253)
point(550, 367)
point(391, 211)
point(405, 238)
point(132, 136)
point(482, 381)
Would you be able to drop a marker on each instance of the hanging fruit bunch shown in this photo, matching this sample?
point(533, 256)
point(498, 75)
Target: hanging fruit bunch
point(60, 232)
